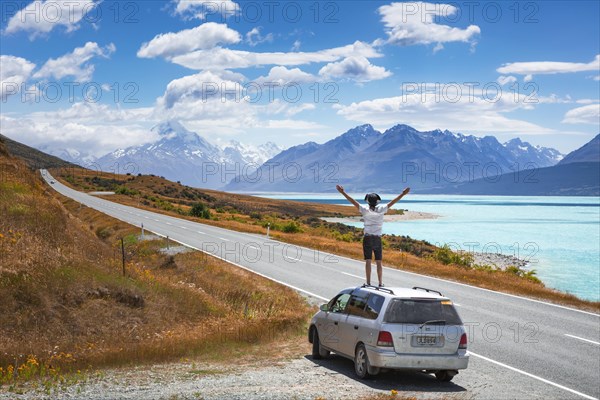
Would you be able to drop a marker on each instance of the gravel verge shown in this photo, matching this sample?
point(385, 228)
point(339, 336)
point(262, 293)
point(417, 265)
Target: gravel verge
point(298, 377)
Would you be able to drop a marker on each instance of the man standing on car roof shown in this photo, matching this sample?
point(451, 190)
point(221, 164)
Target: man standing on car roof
point(373, 219)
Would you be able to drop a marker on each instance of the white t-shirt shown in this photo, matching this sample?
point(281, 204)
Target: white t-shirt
point(373, 218)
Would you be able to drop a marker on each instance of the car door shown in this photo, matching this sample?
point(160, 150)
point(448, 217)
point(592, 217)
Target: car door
point(329, 331)
point(354, 324)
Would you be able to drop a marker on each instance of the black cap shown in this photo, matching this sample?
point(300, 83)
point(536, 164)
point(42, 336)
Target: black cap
point(372, 199)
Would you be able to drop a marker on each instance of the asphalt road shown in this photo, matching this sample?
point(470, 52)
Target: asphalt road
point(520, 348)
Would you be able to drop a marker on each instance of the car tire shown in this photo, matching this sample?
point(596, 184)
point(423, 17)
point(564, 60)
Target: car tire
point(362, 366)
point(318, 352)
point(444, 376)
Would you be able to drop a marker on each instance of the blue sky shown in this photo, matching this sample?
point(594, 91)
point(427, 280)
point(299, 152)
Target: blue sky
point(95, 75)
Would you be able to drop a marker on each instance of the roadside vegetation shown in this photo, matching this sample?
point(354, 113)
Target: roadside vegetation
point(67, 306)
point(301, 224)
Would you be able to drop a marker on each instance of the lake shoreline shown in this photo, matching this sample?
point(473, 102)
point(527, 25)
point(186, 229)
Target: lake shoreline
point(407, 216)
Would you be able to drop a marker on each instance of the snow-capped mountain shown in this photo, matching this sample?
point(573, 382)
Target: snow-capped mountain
point(71, 155)
point(524, 152)
point(250, 154)
point(182, 155)
point(365, 159)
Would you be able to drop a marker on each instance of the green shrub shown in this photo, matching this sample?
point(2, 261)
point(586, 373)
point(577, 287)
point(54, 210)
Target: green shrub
point(446, 256)
point(199, 210)
point(126, 191)
point(292, 227)
point(529, 275)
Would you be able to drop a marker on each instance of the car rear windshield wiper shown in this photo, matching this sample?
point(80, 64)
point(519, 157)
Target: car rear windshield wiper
point(433, 321)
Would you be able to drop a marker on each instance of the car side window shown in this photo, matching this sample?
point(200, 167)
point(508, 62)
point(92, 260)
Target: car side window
point(338, 304)
point(357, 303)
point(374, 305)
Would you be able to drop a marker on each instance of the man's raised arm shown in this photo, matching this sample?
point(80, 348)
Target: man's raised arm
point(350, 199)
point(401, 195)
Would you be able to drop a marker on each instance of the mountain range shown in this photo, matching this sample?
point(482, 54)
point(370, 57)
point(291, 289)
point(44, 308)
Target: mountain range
point(577, 174)
point(364, 159)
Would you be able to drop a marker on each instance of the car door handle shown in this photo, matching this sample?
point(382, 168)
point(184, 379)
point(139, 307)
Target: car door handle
point(355, 326)
point(335, 323)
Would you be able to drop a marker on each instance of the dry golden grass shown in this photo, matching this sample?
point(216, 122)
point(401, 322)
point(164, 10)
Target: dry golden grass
point(247, 214)
point(395, 395)
point(65, 304)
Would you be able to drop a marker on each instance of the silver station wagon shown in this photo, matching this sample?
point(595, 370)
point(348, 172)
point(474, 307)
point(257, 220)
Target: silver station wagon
point(383, 328)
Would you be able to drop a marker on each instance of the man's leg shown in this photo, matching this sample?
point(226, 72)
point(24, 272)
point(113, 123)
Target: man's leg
point(378, 250)
point(368, 253)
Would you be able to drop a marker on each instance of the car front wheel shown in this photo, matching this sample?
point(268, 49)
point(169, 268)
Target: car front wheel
point(318, 352)
point(362, 367)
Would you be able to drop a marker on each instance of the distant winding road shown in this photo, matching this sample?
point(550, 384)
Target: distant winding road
point(520, 348)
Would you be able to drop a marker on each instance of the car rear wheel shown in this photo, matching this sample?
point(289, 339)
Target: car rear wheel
point(318, 352)
point(445, 376)
point(362, 367)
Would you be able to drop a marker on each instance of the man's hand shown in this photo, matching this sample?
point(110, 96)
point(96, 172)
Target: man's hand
point(339, 188)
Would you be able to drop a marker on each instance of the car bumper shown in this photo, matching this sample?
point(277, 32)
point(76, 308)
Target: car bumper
point(384, 358)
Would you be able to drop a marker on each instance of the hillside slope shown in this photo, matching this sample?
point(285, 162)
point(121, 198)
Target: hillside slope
point(35, 159)
point(66, 304)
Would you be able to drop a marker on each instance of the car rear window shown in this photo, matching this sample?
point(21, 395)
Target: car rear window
point(413, 311)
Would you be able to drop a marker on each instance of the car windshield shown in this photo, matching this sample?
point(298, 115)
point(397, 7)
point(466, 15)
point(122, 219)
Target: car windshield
point(413, 311)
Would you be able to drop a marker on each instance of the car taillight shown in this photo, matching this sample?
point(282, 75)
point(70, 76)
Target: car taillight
point(463, 341)
point(385, 339)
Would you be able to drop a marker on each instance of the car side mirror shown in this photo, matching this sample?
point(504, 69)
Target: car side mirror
point(324, 307)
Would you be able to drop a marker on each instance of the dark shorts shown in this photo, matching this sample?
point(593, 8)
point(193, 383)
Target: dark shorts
point(372, 244)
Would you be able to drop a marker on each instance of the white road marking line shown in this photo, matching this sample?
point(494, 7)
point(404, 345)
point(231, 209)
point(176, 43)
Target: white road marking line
point(254, 247)
point(156, 220)
point(580, 338)
point(534, 376)
point(168, 223)
point(458, 305)
point(200, 232)
point(183, 227)
point(227, 240)
point(352, 275)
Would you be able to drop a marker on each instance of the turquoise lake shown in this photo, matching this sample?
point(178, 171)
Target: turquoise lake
point(559, 236)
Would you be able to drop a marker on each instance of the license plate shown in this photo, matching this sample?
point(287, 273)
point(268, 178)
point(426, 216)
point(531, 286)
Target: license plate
point(426, 340)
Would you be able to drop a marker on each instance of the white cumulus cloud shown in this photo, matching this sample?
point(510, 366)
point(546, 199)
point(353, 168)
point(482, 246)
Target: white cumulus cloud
point(589, 114)
point(203, 88)
point(282, 76)
point(42, 16)
point(254, 37)
point(548, 67)
point(75, 64)
point(14, 72)
point(205, 36)
point(90, 128)
point(355, 68)
point(506, 80)
point(221, 58)
point(201, 9)
point(415, 23)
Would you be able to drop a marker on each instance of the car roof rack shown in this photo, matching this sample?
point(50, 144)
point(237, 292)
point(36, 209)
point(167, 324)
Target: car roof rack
point(428, 290)
point(381, 288)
